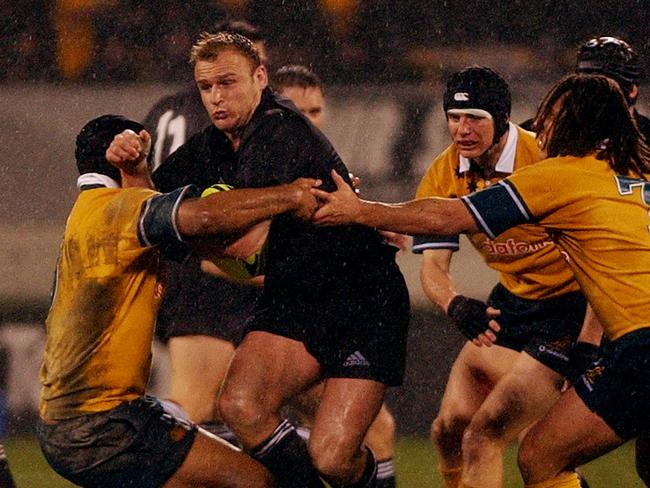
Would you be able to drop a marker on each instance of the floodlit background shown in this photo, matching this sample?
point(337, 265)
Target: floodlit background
point(384, 64)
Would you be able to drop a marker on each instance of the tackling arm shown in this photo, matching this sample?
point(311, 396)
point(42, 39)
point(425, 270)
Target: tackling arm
point(423, 216)
point(234, 211)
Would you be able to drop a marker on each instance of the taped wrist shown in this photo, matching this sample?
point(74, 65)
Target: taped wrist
point(469, 315)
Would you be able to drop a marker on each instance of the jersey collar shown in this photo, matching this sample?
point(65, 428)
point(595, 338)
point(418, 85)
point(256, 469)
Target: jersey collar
point(96, 180)
point(506, 162)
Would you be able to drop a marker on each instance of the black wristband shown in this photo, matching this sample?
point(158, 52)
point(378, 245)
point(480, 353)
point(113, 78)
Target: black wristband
point(469, 315)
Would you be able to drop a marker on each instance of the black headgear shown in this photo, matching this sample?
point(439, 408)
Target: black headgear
point(93, 141)
point(480, 87)
point(611, 57)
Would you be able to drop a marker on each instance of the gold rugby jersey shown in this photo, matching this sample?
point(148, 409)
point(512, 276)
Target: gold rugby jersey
point(528, 261)
point(105, 298)
point(598, 219)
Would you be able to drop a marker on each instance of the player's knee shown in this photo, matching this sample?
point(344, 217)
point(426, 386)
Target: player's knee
point(480, 440)
point(448, 428)
point(239, 410)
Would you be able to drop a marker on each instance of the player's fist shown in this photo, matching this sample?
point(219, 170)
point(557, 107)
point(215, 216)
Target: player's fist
point(128, 149)
point(305, 203)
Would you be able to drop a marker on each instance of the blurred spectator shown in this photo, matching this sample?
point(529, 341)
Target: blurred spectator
point(345, 40)
point(26, 38)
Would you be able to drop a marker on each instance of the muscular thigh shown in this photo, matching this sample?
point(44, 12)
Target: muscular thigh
point(522, 395)
point(270, 366)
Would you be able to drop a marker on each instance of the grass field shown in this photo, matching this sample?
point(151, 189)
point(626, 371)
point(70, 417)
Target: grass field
point(416, 467)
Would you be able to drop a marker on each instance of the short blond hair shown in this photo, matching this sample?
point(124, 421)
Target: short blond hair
point(209, 46)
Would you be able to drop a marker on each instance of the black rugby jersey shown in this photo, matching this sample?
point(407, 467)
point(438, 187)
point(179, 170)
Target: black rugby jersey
point(279, 145)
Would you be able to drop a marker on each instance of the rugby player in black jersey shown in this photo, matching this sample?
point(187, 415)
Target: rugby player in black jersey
point(334, 304)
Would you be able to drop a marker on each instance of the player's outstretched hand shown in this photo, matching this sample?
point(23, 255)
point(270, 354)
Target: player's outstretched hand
point(474, 319)
point(338, 207)
point(129, 149)
point(306, 202)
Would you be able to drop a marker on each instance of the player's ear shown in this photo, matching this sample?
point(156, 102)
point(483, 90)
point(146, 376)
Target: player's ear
point(261, 76)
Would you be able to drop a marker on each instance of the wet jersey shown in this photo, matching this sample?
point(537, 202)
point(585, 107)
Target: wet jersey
point(598, 219)
point(528, 261)
point(100, 324)
point(310, 271)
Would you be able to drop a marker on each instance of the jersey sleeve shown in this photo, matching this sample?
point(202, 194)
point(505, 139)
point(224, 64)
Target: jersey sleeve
point(158, 225)
point(430, 187)
point(498, 208)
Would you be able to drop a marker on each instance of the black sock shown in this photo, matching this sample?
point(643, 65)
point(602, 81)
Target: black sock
point(6, 480)
point(222, 431)
point(285, 455)
point(385, 474)
point(369, 476)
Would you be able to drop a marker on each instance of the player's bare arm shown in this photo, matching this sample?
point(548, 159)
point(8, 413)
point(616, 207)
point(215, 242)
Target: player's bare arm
point(232, 211)
point(424, 216)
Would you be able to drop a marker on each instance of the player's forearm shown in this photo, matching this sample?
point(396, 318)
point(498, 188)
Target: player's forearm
point(437, 285)
point(234, 211)
point(423, 216)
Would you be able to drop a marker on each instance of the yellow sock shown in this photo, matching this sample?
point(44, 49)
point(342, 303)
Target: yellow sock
point(450, 476)
point(564, 480)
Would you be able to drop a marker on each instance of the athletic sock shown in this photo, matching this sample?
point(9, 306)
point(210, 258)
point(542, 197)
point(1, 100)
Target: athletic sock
point(564, 480)
point(285, 455)
point(369, 476)
point(304, 433)
point(222, 431)
point(451, 476)
point(6, 480)
point(385, 473)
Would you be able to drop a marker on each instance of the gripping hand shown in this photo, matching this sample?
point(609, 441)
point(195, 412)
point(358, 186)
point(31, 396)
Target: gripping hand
point(470, 316)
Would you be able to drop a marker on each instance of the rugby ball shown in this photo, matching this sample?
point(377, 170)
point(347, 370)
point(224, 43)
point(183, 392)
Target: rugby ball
point(245, 254)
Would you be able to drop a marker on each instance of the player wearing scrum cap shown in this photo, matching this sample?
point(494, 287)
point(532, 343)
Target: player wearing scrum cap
point(612, 57)
point(97, 427)
point(533, 315)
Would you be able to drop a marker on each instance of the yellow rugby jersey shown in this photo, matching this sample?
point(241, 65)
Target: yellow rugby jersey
point(100, 324)
point(600, 221)
point(528, 261)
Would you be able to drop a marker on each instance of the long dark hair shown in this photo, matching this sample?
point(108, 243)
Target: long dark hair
point(583, 114)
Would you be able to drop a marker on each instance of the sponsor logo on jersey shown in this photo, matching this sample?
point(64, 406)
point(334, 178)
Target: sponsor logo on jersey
point(356, 359)
point(513, 248)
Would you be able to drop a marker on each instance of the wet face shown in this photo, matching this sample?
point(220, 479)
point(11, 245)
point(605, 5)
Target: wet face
point(230, 90)
point(471, 134)
point(310, 102)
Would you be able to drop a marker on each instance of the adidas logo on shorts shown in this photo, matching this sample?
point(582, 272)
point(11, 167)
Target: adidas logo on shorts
point(356, 359)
